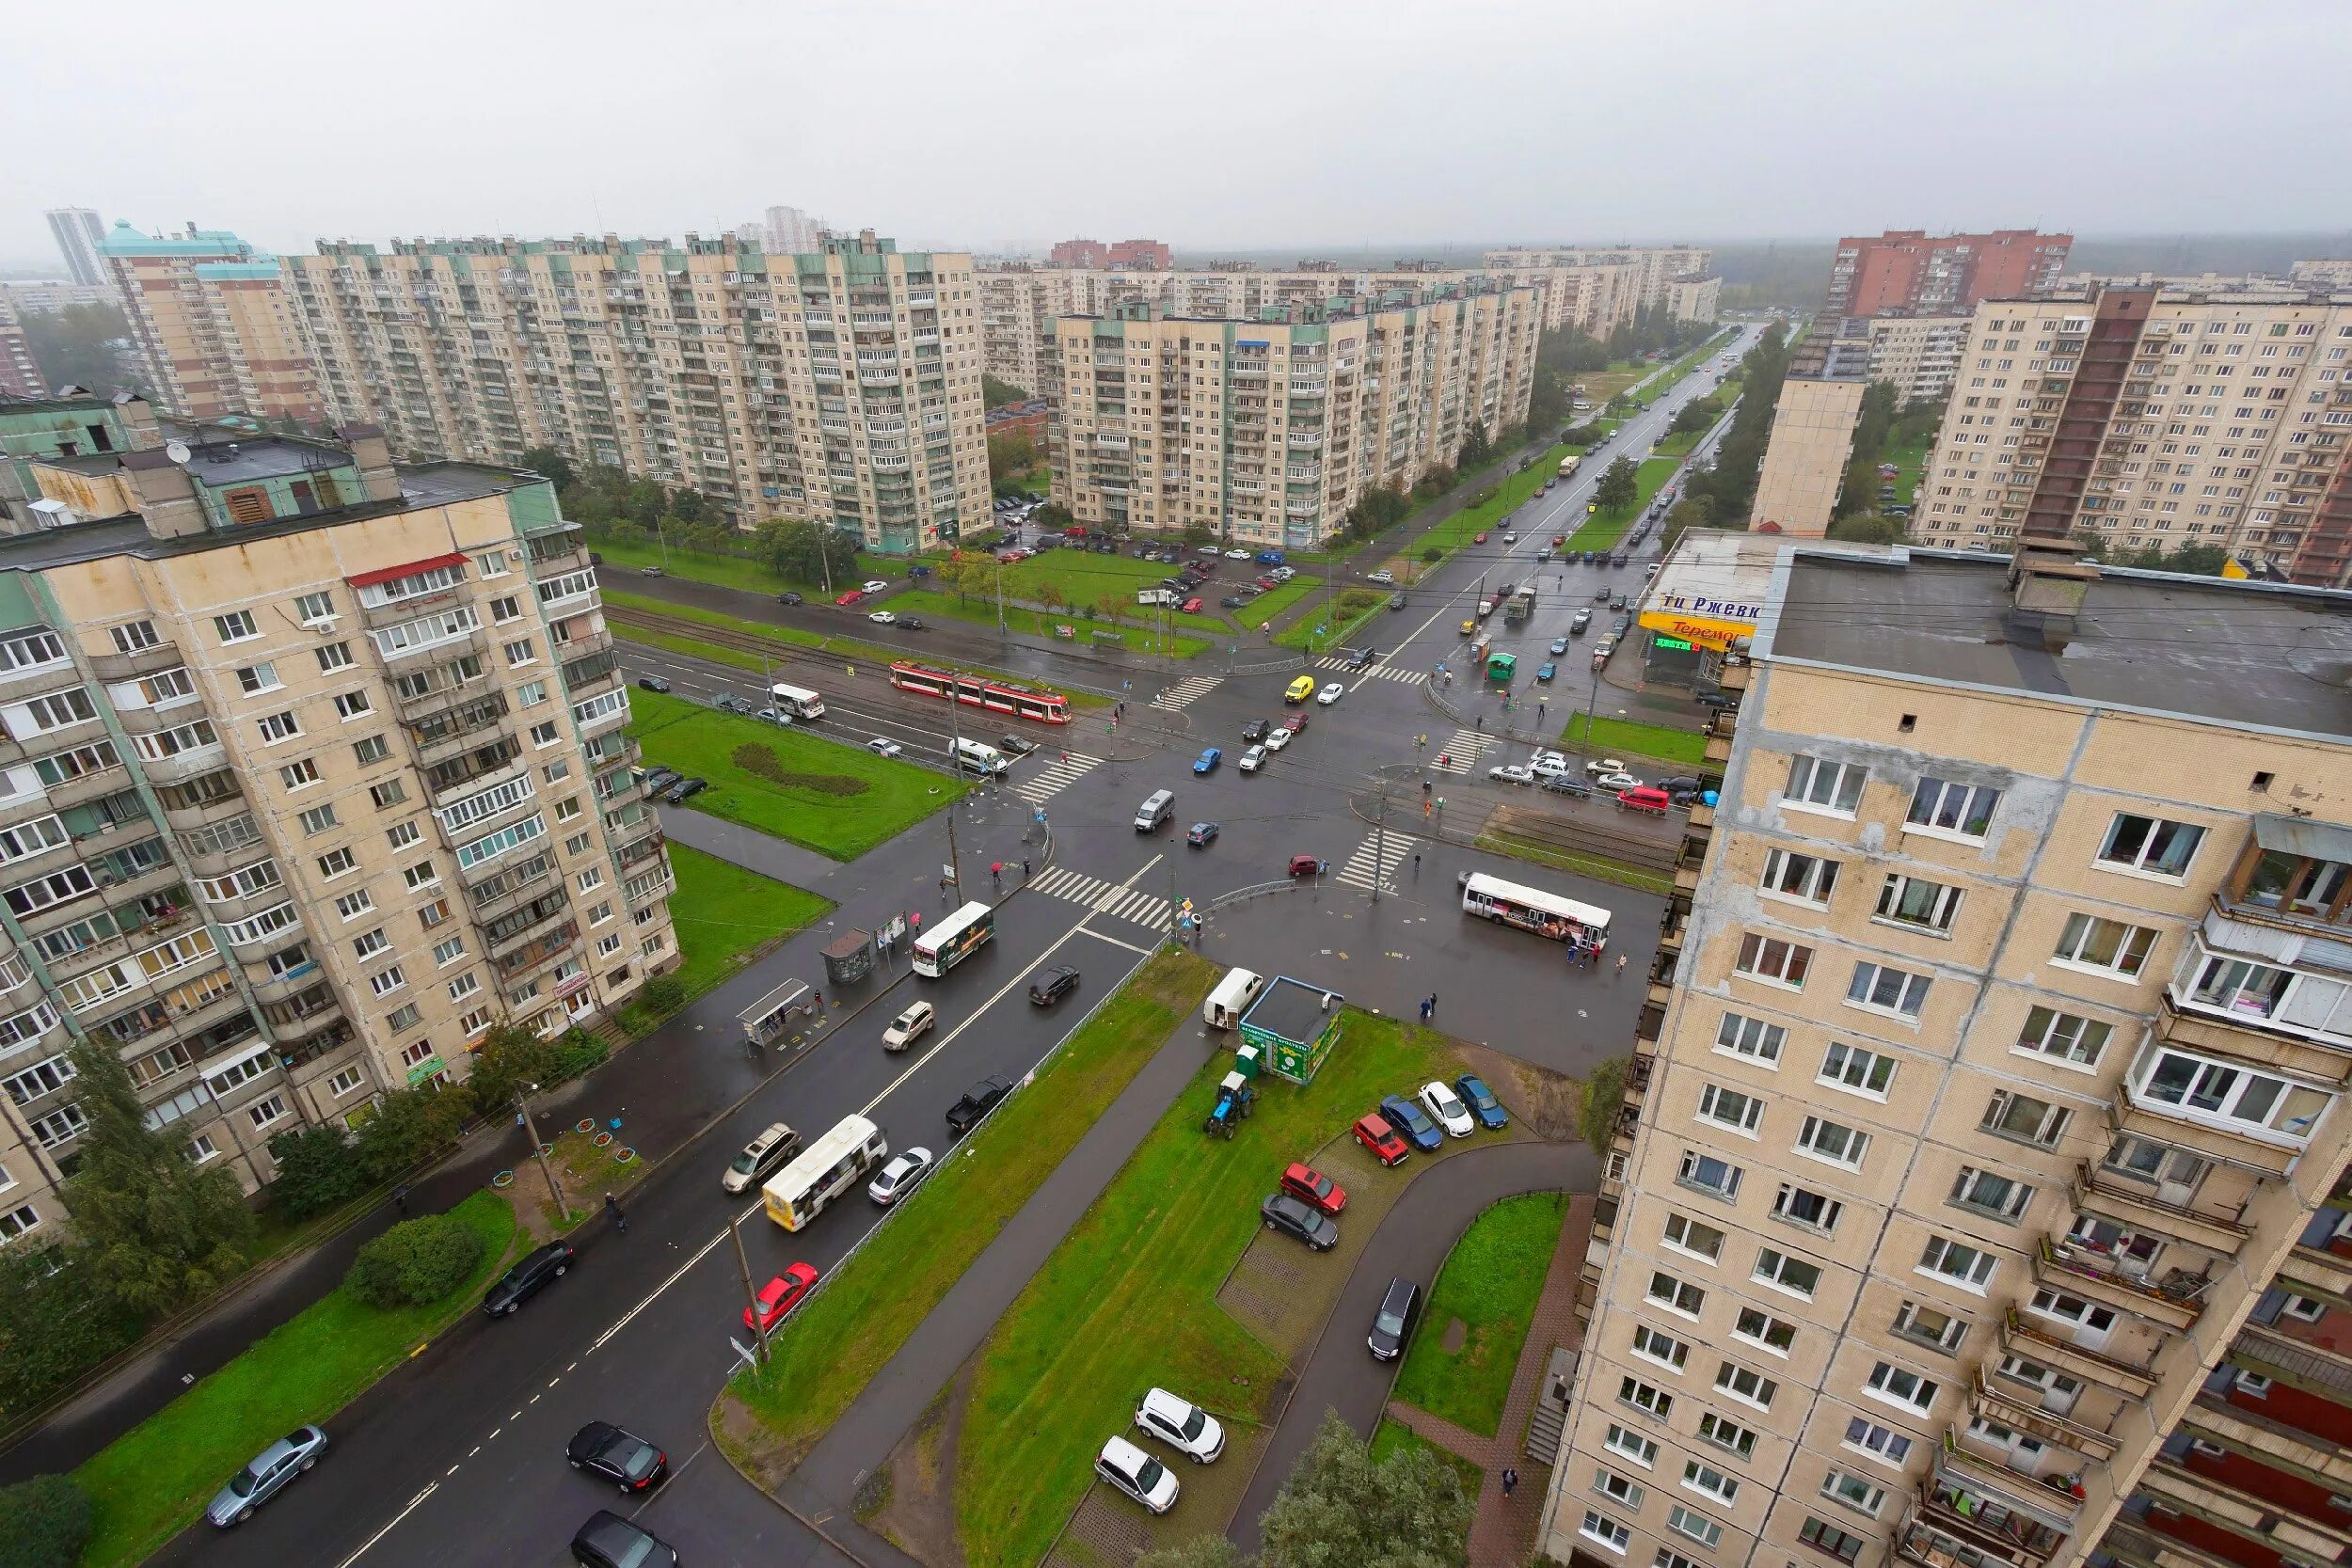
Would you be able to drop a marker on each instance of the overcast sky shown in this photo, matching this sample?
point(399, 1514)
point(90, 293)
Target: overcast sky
point(1208, 123)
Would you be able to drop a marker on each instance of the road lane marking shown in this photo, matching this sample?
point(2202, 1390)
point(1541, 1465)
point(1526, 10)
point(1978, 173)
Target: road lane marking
point(1115, 942)
point(657, 1491)
point(396, 1518)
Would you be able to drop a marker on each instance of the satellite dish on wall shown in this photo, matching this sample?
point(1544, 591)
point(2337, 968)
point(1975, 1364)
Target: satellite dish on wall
point(178, 452)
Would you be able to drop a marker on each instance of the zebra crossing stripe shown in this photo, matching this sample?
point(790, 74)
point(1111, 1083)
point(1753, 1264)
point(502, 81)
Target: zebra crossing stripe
point(1190, 690)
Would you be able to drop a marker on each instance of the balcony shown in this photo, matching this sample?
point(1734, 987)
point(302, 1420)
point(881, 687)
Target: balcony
point(1955, 1527)
point(2035, 1341)
point(2126, 1113)
point(2267, 1525)
point(2101, 1192)
point(2315, 1369)
point(2152, 1549)
point(1995, 1398)
point(2317, 1460)
point(2050, 1502)
point(2175, 1303)
point(146, 662)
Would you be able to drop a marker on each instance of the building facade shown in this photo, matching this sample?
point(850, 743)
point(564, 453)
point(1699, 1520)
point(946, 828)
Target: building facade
point(217, 335)
point(841, 384)
point(20, 377)
point(1917, 356)
point(790, 231)
point(1904, 272)
point(316, 768)
point(1985, 1123)
point(77, 231)
point(2157, 419)
point(1813, 426)
point(1694, 299)
point(1650, 274)
point(1136, 255)
point(1268, 432)
point(41, 299)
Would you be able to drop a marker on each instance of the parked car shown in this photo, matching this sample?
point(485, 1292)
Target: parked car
point(876, 586)
point(761, 1158)
point(1576, 626)
point(535, 1273)
point(650, 571)
point(652, 683)
point(1381, 1140)
point(1392, 1320)
point(1231, 601)
point(1314, 1189)
point(882, 618)
point(1407, 1119)
point(789, 597)
point(621, 1457)
point(882, 745)
point(1618, 781)
point(1206, 762)
point(1182, 1425)
point(844, 600)
point(660, 780)
point(1127, 1468)
point(1287, 1215)
point(1201, 835)
point(1597, 765)
point(685, 789)
point(1560, 644)
point(1253, 759)
point(1478, 538)
point(1236, 555)
point(1447, 1110)
point(975, 1103)
point(609, 1541)
point(730, 702)
point(265, 1475)
point(1386, 579)
point(914, 622)
point(898, 1178)
point(1052, 985)
point(1482, 1102)
point(773, 715)
point(1190, 606)
point(910, 1026)
point(1269, 558)
point(780, 1295)
point(1512, 773)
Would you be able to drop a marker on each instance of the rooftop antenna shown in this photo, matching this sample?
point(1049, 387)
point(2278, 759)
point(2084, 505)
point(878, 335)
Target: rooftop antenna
point(178, 452)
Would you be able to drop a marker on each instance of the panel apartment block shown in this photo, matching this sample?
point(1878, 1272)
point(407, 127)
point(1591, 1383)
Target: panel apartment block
point(214, 331)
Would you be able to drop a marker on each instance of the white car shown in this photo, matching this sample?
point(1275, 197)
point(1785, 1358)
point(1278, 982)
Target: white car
point(1510, 538)
point(1604, 765)
point(910, 1026)
point(876, 586)
point(1281, 573)
point(882, 745)
point(1383, 576)
point(1618, 781)
point(1446, 1109)
point(1512, 773)
point(1544, 768)
point(898, 1178)
point(1542, 760)
point(1277, 740)
point(1254, 758)
point(1332, 691)
point(883, 618)
point(1236, 555)
point(1182, 1425)
point(1141, 1477)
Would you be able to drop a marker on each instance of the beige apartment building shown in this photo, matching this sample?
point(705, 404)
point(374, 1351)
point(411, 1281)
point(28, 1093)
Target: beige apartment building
point(841, 384)
point(1266, 432)
point(1917, 356)
point(1599, 288)
point(1813, 426)
point(216, 333)
point(1986, 1137)
point(20, 375)
point(2156, 418)
point(316, 768)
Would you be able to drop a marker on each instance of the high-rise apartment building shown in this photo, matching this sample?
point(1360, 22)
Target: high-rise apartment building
point(1986, 1127)
point(1139, 255)
point(77, 231)
point(790, 232)
point(18, 375)
point(2336, 274)
point(1813, 426)
point(1643, 276)
point(1917, 356)
point(1268, 431)
point(216, 333)
point(1903, 272)
point(316, 768)
point(2157, 419)
point(841, 384)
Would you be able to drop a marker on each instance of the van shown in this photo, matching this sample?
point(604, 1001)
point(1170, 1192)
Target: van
point(1232, 998)
point(974, 756)
point(1649, 798)
point(1153, 813)
point(1299, 689)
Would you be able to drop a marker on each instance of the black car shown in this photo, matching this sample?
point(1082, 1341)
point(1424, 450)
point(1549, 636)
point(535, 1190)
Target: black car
point(978, 1102)
point(528, 1279)
point(731, 703)
point(609, 1541)
point(1052, 985)
point(1231, 601)
point(622, 1457)
point(1254, 731)
point(684, 789)
point(1393, 1325)
point(1291, 1217)
point(652, 683)
point(788, 598)
point(912, 622)
point(1015, 745)
point(660, 780)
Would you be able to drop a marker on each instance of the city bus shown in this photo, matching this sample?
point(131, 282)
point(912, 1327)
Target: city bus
point(1531, 909)
point(798, 701)
point(954, 940)
point(1502, 666)
point(823, 1171)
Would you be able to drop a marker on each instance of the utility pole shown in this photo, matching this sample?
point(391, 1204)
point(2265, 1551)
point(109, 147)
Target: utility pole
point(824, 557)
point(1590, 702)
point(662, 535)
point(531, 1130)
point(750, 1298)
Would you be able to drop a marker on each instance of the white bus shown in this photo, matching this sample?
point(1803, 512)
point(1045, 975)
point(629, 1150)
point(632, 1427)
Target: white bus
point(974, 756)
point(954, 940)
point(1531, 909)
point(823, 1171)
point(798, 701)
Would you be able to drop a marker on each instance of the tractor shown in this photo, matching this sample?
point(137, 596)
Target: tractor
point(1233, 1100)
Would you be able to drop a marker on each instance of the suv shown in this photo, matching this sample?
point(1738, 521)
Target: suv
point(1381, 1139)
point(978, 1102)
point(528, 1279)
point(1412, 1120)
point(1393, 1325)
point(609, 1541)
point(1052, 985)
point(1280, 1211)
point(1129, 1469)
point(761, 1158)
point(1182, 1425)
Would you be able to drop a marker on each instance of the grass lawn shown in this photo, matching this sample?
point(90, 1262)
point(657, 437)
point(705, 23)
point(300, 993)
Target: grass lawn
point(1570, 860)
point(1511, 491)
point(724, 914)
point(1911, 458)
point(838, 800)
point(726, 571)
point(1392, 1436)
point(833, 1346)
point(1603, 528)
point(1136, 619)
point(1128, 1300)
point(1271, 605)
point(1490, 1281)
point(1619, 736)
point(1344, 617)
point(151, 1483)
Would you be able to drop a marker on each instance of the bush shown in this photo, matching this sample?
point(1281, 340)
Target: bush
point(318, 1167)
point(664, 993)
point(1604, 1093)
point(44, 1522)
point(1485, 494)
point(408, 1126)
point(579, 1052)
point(415, 1262)
point(1432, 554)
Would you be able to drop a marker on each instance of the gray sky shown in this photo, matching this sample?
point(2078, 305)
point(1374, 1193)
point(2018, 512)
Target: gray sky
point(1205, 123)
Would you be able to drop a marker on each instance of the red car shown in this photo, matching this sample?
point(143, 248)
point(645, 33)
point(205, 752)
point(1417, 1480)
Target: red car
point(1190, 606)
point(1558, 540)
point(1009, 556)
point(1314, 1189)
point(1376, 1135)
point(1268, 584)
point(1295, 722)
point(1076, 531)
point(1305, 865)
point(850, 597)
point(781, 1294)
point(1478, 538)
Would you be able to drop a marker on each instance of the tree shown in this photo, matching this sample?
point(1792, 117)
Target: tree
point(408, 1125)
point(1053, 515)
point(803, 550)
point(510, 1059)
point(1476, 449)
point(643, 503)
point(44, 1522)
point(690, 505)
point(1000, 394)
point(52, 1328)
point(1867, 527)
point(318, 1167)
point(415, 1262)
point(550, 463)
point(154, 1232)
point(1604, 1095)
point(1049, 594)
point(1013, 452)
point(83, 346)
point(1696, 415)
point(1201, 1551)
point(1616, 488)
point(1340, 1509)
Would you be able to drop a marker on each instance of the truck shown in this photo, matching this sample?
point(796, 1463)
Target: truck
point(1568, 464)
point(1157, 596)
point(1519, 606)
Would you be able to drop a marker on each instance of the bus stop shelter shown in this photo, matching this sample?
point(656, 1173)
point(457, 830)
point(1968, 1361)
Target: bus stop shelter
point(787, 1011)
point(1294, 1024)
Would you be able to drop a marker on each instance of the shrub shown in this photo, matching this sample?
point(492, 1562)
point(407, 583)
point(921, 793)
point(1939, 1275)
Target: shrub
point(318, 1167)
point(408, 1125)
point(664, 993)
point(1604, 1093)
point(578, 1051)
point(1483, 496)
point(1432, 554)
point(415, 1262)
point(44, 1522)
point(762, 762)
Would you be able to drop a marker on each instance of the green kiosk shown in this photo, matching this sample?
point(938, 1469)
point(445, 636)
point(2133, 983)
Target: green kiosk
point(1293, 1025)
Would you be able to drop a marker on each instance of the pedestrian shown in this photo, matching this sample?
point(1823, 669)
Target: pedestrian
point(1416, 866)
point(1621, 963)
point(1024, 869)
point(400, 1200)
point(818, 997)
point(1480, 721)
point(915, 920)
point(1433, 1003)
point(612, 1212)
point(1510, 1480)
point(1424, 1010)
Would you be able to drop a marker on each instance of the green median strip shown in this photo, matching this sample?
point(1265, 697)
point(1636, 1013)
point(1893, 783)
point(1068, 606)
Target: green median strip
point(1596, 866)
point(1622, 737)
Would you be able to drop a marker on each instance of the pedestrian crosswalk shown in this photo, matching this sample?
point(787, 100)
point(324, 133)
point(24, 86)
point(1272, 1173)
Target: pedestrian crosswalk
point(1463, 751)
point(1121, 903)
point(1190, 690)
point(1376, 672)
point(1060, 772)
point(1376, 862)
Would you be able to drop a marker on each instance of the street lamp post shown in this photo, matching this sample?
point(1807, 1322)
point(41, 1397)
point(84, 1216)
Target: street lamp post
point(1591, 702)
point(538, 1150)
point(751, 1297)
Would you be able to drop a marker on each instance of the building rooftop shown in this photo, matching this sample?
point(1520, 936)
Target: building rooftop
point(1293, 1010)
point(242, 462)
point(2262, 656)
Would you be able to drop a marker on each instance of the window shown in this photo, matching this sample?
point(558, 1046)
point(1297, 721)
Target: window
point(1600, 1528)
point(1641, 1396)
point(1685, 1234)
point(1899, 1386)
point(1741, 1113)
point(1829, 1540)
point(1764, 1331)
point(2091, 942)
point(19, 1221)
point(262, 1112)
point(1971, 1268)
point(1832, 1142)
point(1849, 1067)
point(1753, 1039)
point(388, 982)
point(1800, 879)
point(235, 627)
point(568, 808)
point(299, 775)
point(543, 735)
point(1617, 1488)
point(343, 1082)
point(1698, 1527)
point(2077, 1042)
point(353, 704)
point(1746, 1386)
point(1877, 1441)
point(1965, 811)
point(490, 846)
point(1783, 1273)
point(1727, 1435)
point(1662, 1348)
point(1704, 1478)
point(415, 1053)
point(1676, 1295)
point(432, 914)
point(2028, 1120)
point(2224, 1095)
point(1834, 788)
point(2254, 1384)
point(530, 693)
point(421, 875)
point(368, 945)
point(505, 609)
point(335, 863)
point(599, 913)
point(310, 609)
point(464, 986)
point(390, 793)
point(1989, 1193)
point(1931, 1326)
point(278, 727)
point(370, 751)
point(1669, 1559)
point(200, 1149)
point(475, 1023)
point(518, 653)
point(449, 952)
point(317, 819)
point(1803, 1206)
point(56, 710)
point(1883, 990)
point(492, 565)
point(2149, 844)
point(254, 679)
point(1917, 903)
point(402, 836)
point(351, 906)
point(130, 638)
point(334, 657)
point(1718, 1178)
point(1628, 1444)
point(1772, 961)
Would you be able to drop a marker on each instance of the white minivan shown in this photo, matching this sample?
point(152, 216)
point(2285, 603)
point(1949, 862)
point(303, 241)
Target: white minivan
point(974, 758)
point(1232, 998)
point(1153, 813)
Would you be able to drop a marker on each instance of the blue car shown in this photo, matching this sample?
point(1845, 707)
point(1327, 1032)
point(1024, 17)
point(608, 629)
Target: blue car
point(1546, 671)
point(1482, 1102)
point(1407, 1117)
point(1208, 760)
point(1269, 558)
point(1559, 646)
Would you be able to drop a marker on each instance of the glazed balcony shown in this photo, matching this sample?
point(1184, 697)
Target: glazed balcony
point(2175, 1303)
point(2160, 1123)
point(2101, 1192)
point(1937, 1532)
